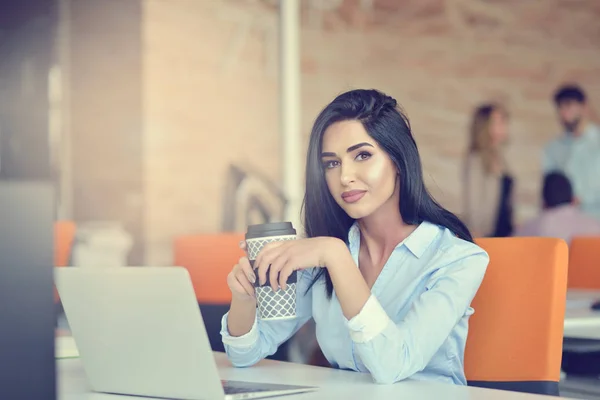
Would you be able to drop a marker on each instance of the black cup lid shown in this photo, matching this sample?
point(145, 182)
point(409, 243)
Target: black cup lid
point(270, 229)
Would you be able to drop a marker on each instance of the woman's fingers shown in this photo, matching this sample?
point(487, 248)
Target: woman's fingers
point(242, 279)
point(247, 268)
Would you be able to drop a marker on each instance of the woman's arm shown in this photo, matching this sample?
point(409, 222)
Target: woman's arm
point(350, 287)
point(241, 316)
point(391, 351)
point(264, 337)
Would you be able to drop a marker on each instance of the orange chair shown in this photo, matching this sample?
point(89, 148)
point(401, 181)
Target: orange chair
point(208, 259)
point(515, 336)
point(64, 236)
point(584, 263)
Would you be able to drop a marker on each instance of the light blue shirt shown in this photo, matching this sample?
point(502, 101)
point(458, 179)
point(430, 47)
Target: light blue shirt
point(414, 324)
point(579, 159)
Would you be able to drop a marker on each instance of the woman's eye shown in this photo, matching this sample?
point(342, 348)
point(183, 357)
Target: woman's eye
point(331, 164)
point(363, 156)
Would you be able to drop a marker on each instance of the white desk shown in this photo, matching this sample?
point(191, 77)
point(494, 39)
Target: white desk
point(581, 322)
point(333, 384)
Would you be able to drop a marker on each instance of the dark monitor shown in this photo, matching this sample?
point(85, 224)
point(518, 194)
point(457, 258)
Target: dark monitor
point(27, 316)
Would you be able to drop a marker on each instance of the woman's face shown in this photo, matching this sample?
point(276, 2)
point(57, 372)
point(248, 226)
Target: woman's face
point(498, 127)
point(360, 175)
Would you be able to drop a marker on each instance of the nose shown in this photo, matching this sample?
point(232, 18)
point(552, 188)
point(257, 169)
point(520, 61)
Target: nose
point(348, 174)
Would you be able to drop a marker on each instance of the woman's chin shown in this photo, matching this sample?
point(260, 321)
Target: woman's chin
point(354, 211)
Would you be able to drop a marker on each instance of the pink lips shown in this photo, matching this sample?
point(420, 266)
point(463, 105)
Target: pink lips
point(352, 196)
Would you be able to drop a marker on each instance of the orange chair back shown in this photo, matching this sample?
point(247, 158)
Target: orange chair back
point(64, 237)
point(584, 263)
point(208, 259)
point(515, 336)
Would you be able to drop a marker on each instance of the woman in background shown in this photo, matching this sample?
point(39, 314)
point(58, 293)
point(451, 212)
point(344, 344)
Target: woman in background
point(488, 183)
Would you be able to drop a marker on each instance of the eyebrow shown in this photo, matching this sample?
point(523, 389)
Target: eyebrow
point(349, 149)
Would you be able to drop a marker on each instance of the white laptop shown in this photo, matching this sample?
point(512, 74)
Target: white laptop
point(139, 332)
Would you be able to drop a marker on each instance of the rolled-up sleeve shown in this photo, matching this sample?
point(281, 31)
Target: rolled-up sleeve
point(247, 340)
point(395, 351)
point(264, 337)
point(369, 323)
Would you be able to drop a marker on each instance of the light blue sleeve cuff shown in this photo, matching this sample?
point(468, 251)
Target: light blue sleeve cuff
point(369, 322)
point(244, 341)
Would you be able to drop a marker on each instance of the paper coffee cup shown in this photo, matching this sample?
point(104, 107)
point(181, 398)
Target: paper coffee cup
point(280, 304)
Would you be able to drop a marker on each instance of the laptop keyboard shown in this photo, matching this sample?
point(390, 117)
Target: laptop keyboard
point(235, 387)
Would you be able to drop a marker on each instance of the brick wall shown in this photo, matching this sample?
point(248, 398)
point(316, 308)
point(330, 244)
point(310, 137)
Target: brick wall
point(106, 121)
point(210, 87)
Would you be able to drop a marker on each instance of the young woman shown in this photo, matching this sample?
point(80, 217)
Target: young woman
point(387, 274)
point(488, 184)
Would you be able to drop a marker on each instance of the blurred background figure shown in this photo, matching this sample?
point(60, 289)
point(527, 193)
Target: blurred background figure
point(560, 216)
point(488, 185)
point(576, 153)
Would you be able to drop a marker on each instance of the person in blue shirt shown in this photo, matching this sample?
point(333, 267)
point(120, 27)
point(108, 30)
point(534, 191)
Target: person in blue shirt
point(387, 273)
point(576, 152)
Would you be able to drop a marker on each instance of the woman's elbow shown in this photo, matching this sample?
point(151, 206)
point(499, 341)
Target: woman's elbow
point(242, 363)
point(384, 379)
point(387, 373)
point(243, 360)
point(387, 376)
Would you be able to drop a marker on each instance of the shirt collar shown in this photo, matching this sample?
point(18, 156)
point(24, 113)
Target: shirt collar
point(417, 242)
point(588, 134)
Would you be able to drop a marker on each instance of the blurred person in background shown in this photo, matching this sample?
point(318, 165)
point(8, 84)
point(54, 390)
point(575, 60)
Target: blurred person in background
point(560, 217)
point(576, 153)
point(488, 184)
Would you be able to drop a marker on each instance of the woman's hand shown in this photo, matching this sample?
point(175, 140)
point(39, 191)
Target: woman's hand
point(280, 259)
point(241, 279)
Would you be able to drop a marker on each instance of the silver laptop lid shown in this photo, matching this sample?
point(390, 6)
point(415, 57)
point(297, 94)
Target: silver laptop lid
point(139, 331)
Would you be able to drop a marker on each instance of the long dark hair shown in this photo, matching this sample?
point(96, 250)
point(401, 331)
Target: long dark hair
point(390, 128)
